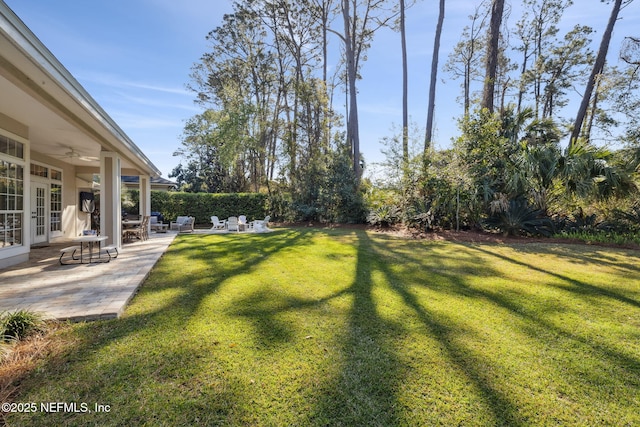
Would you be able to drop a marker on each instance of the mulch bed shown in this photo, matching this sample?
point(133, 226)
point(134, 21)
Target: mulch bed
point(467, 236)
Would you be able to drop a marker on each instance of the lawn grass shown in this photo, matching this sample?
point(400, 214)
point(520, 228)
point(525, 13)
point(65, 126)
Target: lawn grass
point(603, 236)
point(343, 327)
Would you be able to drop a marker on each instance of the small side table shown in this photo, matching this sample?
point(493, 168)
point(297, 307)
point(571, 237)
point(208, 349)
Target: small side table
point(160, 227)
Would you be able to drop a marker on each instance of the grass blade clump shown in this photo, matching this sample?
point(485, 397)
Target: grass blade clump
point(19, 324)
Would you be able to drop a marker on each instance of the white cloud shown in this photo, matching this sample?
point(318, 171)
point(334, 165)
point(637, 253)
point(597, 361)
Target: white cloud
point(115, 81)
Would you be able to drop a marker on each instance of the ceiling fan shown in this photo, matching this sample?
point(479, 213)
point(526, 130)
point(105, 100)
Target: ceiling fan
point(73, 154)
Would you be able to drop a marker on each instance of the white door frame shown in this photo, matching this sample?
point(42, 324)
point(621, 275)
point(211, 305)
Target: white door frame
point(40, 194)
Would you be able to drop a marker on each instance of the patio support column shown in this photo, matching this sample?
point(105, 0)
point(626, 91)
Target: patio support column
point(110, 198)
point(145, 197)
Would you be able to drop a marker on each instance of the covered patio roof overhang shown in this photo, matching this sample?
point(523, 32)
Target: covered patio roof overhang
point(43, 104)
point(40, 93)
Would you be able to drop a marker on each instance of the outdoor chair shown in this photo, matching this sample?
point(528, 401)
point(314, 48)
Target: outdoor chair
point(232, 223)
point(144, 227)
point(243, 224)
point(261, 225)
point(217, 224)
point(141, 232)
point(180, 221)
point(187, 226)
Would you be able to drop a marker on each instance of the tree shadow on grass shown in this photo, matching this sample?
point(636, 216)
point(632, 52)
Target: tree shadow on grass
point(583, 254)
point(605, 359)
point(156, 371)
point(591, 359)
point(577, 286)
point(363, 389)
point(361, 383)
point(499, 406)
point(582, 290)
point(145, 364)
point(262, 308)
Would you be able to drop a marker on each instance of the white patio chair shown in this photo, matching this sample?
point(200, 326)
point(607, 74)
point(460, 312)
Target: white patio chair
point(217, 224)
point(175, 225)
point(243, 224)
point(260, 226)
point(188, 225)
point(232, 223)
point(183, 223)
point(157, 226)
point(153, 222)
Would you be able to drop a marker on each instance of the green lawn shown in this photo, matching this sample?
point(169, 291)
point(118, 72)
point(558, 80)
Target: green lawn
point(344, 327)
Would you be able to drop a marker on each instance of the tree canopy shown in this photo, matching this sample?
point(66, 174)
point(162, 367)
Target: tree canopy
point(279, 95)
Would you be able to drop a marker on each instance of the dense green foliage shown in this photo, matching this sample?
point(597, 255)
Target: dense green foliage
point(268, 121)
point(518, 217)
point(514, 168)
point(19, 324)
point(327, 191)
point(316, 327)
point(202, 205)
point(507, 172)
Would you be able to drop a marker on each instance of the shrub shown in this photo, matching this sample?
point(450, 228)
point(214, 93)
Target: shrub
point(19, 325)
point(419, 215)
point(384, 216)
point(627, 220)
point(279, 205)
point(603, 236)
point(581, 221)
point(303, 212)
point(519, 218)
point(203, 205)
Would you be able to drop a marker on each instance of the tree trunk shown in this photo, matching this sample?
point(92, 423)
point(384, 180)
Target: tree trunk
point(325, 42)
point(467, 89)
point(523, 70)
point(598, 66)
point(405, 88)
point(493, 49)
point(432, 84)
point(352, 122)
point(594, 106)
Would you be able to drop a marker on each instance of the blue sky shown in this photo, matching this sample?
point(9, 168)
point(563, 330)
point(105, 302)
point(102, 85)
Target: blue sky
point(134, 58)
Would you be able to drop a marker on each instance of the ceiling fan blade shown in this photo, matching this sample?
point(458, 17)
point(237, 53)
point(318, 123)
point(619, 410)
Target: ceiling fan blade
point(89, 158)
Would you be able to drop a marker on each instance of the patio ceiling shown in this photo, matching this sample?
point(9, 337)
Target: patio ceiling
point(49, 133)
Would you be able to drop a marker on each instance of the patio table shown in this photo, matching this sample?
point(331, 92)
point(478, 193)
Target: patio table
point(91, 240)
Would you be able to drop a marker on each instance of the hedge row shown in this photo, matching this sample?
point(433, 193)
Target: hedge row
point(204, 205)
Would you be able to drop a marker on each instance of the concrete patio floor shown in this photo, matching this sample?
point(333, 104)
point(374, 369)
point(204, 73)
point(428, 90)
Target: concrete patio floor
point(80, 292)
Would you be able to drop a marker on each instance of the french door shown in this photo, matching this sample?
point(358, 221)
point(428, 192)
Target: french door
point(39, 226)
